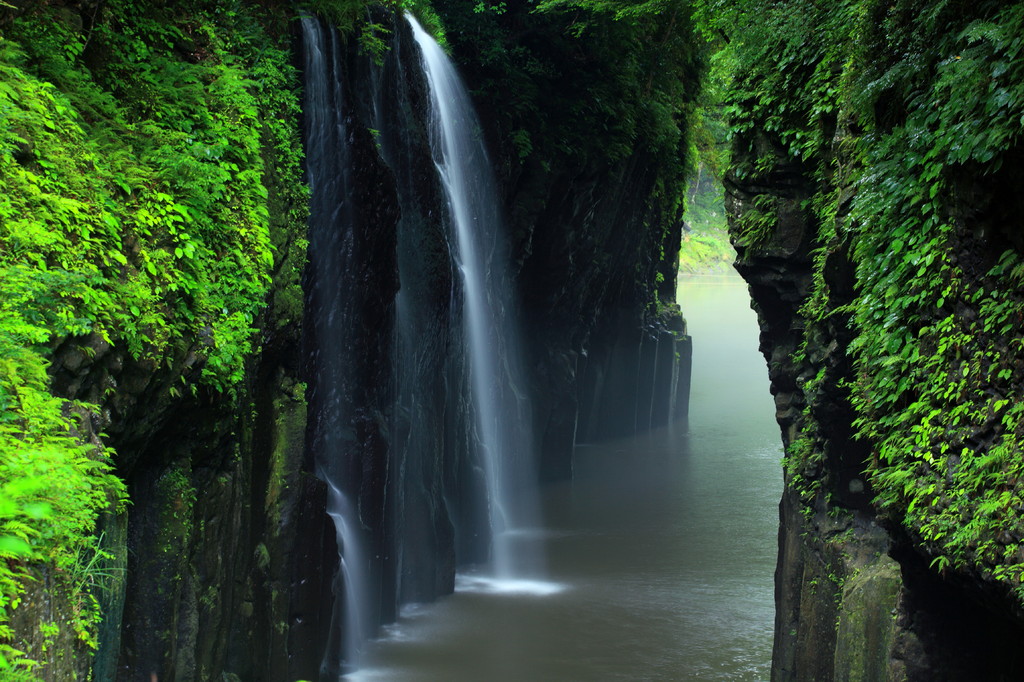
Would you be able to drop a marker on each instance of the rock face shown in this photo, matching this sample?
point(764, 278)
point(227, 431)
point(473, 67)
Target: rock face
point(854, 600)
point(593, 229)
point(599, 352)
point(430, 414)
point(200, 561)
point(863, 589)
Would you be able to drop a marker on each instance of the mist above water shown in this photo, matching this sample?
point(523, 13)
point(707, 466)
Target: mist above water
point(660, 553)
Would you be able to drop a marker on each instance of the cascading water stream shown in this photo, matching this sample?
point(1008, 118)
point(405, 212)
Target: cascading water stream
point(331, 264)
point(502, 421)
point(351, 580)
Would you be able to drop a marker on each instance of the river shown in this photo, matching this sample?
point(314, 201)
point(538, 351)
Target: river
point(660, 552)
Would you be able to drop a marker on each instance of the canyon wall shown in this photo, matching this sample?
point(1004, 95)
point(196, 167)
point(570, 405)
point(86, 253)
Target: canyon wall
point(867, 205)
point(196, 363)
point(592, 172)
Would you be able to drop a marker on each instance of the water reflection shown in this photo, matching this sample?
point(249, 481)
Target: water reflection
point(661, 552)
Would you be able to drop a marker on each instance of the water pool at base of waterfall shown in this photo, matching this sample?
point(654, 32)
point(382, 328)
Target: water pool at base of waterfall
point(660, 552)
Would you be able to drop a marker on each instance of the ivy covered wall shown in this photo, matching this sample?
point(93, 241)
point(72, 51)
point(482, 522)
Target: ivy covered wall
point(151, 192)
point(877, 152)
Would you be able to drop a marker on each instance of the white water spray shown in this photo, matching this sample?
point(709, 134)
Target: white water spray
point(352, 564)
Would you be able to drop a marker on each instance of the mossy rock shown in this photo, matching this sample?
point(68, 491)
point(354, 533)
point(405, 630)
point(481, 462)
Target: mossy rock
point(867, 619)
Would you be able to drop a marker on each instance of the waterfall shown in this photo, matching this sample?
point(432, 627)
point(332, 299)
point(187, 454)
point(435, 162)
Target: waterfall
point(405, 464)
point(502, 417)
point(349, 626)
point(331, 283)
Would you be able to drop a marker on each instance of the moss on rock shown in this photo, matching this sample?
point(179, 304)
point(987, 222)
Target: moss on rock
point(866, 631)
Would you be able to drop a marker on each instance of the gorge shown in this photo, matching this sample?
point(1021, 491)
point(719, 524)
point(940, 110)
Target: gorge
point(247, 347)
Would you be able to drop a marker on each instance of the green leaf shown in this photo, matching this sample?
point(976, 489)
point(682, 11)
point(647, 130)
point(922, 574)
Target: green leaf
point(12, 546)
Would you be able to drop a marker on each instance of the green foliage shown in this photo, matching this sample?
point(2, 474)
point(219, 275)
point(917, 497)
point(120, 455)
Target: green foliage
point(705, 246)
point(589, 84)
point(939, 384)
point(898, 113)
point(710, 136)
point(52, 488)
point(429, 19)
point(346, 15)
point(785, 60)
point(158, 201)
point(754, 227)
point(365, 21)
point(706, 251)
point(135, 167)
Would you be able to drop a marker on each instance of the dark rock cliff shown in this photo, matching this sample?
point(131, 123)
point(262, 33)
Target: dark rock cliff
point(194, 575)
point(597, 341)
point(854, 600)
point(871, 583)
point(202, 556)
point(593, 228)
